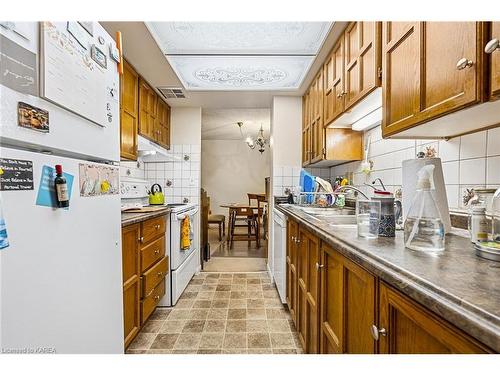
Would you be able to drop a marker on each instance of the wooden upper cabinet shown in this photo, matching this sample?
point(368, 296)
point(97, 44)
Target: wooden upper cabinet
point(348, 305)
point(363, 64)
point(162, 124)
point(147, 110)
point(333, 78)
point(129, 112)
point(316, 109)
point(429, 69)
point(411, 329)
point(306, 129)
point(494, 57)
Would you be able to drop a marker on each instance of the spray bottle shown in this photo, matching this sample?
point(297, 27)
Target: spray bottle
point(423, 228)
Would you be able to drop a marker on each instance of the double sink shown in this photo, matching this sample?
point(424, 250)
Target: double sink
point(334, 216)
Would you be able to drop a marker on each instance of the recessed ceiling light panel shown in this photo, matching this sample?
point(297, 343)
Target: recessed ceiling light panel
point(248, 38)
point(241, 72)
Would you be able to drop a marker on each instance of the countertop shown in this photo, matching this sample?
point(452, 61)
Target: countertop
point(455, 284)
point(136, 217)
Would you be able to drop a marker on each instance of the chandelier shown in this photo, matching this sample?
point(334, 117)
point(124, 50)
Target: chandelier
point(259, 142)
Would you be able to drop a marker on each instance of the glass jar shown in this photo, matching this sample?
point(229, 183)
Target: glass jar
point(495, 216)
point(484, 198)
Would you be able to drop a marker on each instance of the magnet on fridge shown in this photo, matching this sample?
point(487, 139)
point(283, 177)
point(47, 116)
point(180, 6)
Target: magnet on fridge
point(4, 241)
point(114, 53)
point(46, 190)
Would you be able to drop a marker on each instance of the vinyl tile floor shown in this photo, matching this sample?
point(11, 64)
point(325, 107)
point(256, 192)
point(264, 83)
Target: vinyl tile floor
point(221, 313)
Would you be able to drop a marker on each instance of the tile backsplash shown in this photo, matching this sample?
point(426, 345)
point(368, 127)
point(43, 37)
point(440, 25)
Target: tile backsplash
point(133, 169)
point(469, 161)
point(179, 179)
point(285, 177)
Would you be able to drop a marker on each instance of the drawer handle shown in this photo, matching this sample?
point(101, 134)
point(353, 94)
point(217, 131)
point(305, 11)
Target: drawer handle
point(160, 274)
point(464, 63)
point(157, 298)
point(377, 332)
point(157, 251)
point(492, 46)
point(157, 226)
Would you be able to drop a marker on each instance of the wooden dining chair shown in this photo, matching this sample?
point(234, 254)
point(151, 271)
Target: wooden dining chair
point(258, 200)
point(220, 220)
point(243, 217)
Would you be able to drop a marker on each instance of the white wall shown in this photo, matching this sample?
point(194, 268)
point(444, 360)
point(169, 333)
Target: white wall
point(230, 170)
point(185, 125)
point(286, 142)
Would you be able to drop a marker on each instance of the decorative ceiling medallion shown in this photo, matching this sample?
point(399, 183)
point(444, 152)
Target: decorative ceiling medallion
point(238, 77)
point(240, 72)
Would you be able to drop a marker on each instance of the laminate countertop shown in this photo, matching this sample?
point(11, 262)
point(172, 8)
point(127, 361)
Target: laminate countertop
point(129, 218)
point(455, 284)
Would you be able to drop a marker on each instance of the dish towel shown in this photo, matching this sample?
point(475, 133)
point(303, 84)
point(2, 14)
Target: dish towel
point(186, 233)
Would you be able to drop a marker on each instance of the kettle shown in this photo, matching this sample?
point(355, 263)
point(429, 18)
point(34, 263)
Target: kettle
point(156, 195)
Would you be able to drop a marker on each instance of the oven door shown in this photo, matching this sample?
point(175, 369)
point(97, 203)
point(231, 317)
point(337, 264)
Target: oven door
point(178, 256)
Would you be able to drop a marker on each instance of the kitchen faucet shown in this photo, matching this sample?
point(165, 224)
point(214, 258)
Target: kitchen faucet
point(349, 187)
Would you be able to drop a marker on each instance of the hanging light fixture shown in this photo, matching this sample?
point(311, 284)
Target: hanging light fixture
point(259, 142)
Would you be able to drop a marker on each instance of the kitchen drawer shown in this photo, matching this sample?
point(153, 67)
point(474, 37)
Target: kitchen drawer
point(149, 303)
point(152, 277)
point(153, 252)
point(153, 228)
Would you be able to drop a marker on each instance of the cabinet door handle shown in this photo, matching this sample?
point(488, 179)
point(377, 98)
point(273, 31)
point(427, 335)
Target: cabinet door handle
point(492, 46)
point(141, 239)
point(157, 252)
point(297, 240)
point(157, 226)
point(376, 332)
point(160, 274)
point(319, 266)
point(157, 298)
point(464, 63)
point(293, 238)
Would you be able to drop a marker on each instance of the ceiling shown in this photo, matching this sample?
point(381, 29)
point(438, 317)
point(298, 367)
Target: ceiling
point(222, 123)
point(143, 53)
point(240, 56)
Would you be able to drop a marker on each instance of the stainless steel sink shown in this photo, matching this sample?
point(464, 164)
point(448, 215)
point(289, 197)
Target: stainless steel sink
point(332, 215)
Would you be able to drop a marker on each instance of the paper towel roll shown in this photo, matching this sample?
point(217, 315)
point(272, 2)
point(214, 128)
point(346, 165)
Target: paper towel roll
point(410, 177)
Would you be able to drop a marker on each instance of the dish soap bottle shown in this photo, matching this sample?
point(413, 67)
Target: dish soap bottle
point(423, 228)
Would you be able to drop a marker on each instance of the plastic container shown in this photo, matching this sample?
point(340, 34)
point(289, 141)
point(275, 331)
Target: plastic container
point(423, 228)
point(479, 226)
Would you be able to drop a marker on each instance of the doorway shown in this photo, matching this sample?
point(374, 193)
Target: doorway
point(235, 165)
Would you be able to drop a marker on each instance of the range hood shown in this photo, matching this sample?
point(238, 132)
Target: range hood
point(151, 152)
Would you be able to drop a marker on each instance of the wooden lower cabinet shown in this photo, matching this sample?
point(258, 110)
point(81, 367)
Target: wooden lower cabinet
point(412, 329)
point(340, 307)
point(348, 303)
point(131, 282)
point(291, 268)
point(308, 291)
point(144, 267)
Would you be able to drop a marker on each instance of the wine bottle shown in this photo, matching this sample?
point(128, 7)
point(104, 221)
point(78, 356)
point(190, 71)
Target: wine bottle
point(61, 188)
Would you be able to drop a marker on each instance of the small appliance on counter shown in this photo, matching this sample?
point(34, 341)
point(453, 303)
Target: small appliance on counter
point(156, 196)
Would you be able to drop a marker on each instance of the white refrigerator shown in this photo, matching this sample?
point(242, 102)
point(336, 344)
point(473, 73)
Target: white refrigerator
point(61, 275)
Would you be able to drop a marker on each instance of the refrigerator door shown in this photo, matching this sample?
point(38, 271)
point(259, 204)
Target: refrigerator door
point(61, 276)
point(70, 134)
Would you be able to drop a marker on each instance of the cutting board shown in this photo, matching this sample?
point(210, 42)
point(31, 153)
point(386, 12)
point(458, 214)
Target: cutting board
point(146, 209)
